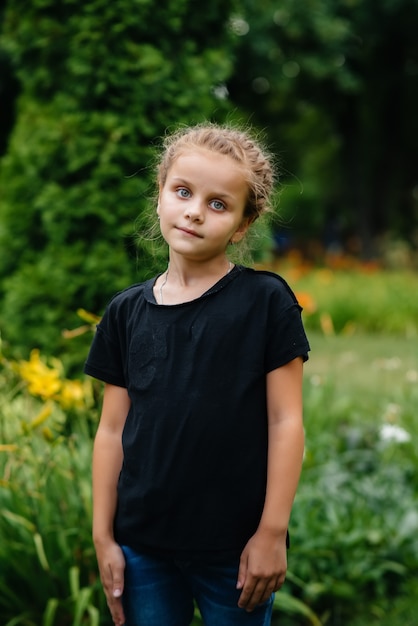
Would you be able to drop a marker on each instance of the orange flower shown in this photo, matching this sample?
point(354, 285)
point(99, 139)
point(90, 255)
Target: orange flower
point(306, 302)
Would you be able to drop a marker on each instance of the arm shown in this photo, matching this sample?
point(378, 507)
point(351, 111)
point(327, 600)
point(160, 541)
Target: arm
point(263, 561)
point(107, 463)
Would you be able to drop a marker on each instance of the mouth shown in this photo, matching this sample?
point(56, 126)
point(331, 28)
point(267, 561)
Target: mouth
point(189, 232)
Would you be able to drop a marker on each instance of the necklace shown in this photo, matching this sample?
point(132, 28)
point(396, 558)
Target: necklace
point(164, 282)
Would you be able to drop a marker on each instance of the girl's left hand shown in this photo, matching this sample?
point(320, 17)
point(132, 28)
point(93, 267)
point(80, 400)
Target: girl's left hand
point(262, 568)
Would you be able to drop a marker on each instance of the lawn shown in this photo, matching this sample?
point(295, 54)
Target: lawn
point(375, 365)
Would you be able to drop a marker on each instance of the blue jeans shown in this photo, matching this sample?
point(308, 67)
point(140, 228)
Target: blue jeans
point(161, 592)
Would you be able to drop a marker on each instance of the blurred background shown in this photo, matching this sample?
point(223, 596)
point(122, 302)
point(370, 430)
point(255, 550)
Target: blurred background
point(87, 89)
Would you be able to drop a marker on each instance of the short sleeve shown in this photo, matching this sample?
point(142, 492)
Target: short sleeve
point(286, 337)
point(105, 359)
point(287, 340)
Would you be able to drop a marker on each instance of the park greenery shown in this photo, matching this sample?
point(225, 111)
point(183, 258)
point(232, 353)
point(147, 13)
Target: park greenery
point(88, 88)
point(354, 529)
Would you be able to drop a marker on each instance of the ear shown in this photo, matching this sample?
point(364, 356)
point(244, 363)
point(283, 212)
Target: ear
point(241, 230)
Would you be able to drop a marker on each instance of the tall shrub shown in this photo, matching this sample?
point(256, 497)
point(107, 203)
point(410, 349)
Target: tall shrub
point(98, 82)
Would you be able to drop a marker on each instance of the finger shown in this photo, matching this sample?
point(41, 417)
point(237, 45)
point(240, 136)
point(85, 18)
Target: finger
point(114, 594)
point(260, 594)
point(250, 591)
point(116, 611)
point(270, 588)
point(117, 574)
point(242, 572)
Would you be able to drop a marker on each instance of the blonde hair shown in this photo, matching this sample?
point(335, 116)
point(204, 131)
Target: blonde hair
point(240, 145)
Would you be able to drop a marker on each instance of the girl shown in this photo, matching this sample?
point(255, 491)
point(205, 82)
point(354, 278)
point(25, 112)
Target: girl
point(199, 447)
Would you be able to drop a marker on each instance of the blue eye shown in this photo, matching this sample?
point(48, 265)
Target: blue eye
point(183, 192)
point(217, 205)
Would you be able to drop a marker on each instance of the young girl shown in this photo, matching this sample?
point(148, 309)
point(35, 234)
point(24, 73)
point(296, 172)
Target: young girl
point(199, 447)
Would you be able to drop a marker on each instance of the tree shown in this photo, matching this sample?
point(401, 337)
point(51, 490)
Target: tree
point(335, 84)
point(99, 81)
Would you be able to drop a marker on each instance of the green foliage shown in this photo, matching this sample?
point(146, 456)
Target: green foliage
point(379, 302)
point(354, 526)
point(90, 86)
point(47, 571)
point(99, 82)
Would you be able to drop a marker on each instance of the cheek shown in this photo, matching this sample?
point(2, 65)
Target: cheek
point(165, 206)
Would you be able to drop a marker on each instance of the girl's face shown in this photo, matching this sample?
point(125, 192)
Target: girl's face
point(201, 204)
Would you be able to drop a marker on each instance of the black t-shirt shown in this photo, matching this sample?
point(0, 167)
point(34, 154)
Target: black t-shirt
point(193, 479)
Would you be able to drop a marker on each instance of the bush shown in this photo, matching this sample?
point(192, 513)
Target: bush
point(47, 564)
point(98, 83)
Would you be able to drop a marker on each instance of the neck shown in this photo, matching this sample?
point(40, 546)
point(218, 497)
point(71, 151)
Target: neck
point(178, 284)
point(185, 274)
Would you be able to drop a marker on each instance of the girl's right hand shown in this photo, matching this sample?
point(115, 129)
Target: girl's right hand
point(111, 566)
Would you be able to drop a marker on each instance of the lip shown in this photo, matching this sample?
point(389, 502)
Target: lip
point(188, 231)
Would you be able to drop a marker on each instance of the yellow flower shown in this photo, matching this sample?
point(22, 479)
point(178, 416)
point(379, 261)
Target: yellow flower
point(73, 393)
point(42, 381)
point(46, 381)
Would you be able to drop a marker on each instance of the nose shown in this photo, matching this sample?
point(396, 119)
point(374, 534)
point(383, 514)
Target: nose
point(194, 210)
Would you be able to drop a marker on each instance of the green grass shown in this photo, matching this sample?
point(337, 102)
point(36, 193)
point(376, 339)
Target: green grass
point(363, 361)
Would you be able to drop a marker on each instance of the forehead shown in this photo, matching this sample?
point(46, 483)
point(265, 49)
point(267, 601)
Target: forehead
point(209, 168)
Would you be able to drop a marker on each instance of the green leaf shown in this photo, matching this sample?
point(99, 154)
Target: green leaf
point(288, 604)
point(50, 612)
point(40, 551)
point(18, 520)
